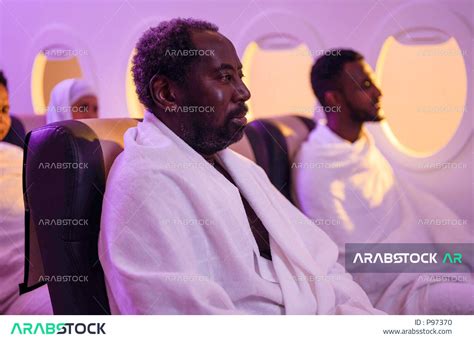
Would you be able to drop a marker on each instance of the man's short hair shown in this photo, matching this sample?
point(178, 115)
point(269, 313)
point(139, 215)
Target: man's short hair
point(165, 50)
point(327, 69)
point(3, 80)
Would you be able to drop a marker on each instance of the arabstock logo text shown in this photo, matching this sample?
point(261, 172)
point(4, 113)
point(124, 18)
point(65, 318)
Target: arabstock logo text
point(405, 258)
point(412, 258)
point(57, 328)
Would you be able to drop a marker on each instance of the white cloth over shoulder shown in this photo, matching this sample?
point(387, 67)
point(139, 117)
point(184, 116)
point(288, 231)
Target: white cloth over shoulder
point(12, 240)
point(63, 96)
point(351, 190)
point(175, 238)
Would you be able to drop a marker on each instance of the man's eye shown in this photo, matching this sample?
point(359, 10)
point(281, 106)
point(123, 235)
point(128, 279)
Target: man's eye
point(5, 109)
point(367, 84)
point(226, 77)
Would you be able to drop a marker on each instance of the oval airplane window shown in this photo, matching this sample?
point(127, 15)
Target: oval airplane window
point(278, 79)
point(424, 93)
point(135, 108)
point(421, 61)
point(52, 65)
point(277, 50)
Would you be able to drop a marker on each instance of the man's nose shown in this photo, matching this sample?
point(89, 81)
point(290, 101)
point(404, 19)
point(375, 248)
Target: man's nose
point(378, 92)
point(242, 92)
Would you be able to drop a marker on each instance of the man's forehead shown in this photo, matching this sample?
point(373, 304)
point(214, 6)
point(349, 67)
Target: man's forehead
point(358, 70)
point(217, 49)
point(206, 37)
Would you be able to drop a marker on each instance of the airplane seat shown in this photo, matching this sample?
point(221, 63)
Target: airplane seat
point(65, 168)
point(275, 142)
point(16, 134)
point(64, 177)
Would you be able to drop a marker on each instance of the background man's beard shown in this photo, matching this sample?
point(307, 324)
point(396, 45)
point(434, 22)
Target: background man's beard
point(360, 116)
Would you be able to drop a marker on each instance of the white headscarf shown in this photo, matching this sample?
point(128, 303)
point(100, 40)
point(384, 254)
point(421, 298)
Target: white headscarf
point(63, 96)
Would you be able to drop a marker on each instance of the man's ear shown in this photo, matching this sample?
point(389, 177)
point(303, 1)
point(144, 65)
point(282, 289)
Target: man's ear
point(332, 98)
point(162, 93)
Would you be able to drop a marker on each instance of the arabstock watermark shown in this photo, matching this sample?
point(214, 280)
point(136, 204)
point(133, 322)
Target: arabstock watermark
point(187, 165)
point(440, 109)
point(57, 328)
point(65, 53)
point(441, 52)
point(409, 258)
point(317, 109)
point(442, 222)
point(63, 165)
point(66, 108)
point(317, 278)
point(66, 222)
point(320, 52)
point(436, 278)
point(316, 165)
point(320, 221)
point(189, 53)
point(442, 165)
point(186, 278)
point(64, 278)
point(187, 222)
point(191, 108)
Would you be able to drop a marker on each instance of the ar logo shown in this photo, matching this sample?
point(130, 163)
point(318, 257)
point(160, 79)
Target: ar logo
point(455, 258)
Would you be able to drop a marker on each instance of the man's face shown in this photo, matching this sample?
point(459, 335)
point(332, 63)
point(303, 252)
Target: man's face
point(85, 107)
point(361, 96)
point(214, 96)
point(5, 119)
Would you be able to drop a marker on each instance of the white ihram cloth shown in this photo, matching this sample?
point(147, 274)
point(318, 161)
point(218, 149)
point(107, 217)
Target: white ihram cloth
point(351, 189)
point(12, 240)
point(175, 238)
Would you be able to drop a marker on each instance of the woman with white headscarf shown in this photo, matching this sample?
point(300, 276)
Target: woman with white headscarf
point(72, 99)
